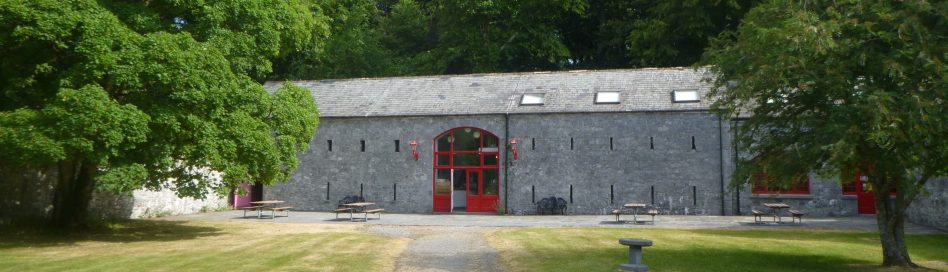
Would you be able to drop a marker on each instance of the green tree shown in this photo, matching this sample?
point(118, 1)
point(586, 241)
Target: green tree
point(352, 49)
point(158, 94)
point(503, 36)
point(598, 38)
point(676, 32)
point(835, 86)
point(407, 34)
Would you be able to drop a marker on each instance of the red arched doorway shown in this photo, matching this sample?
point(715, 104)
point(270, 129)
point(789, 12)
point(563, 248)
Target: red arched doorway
point(466, 170)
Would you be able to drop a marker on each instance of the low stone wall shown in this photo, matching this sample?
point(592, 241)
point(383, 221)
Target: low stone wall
point(931, 208)
point(150, 204)
point(154, 204)
point(28, 194)
point(25, 194)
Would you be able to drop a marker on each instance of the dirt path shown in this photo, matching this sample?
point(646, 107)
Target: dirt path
point(444, 249)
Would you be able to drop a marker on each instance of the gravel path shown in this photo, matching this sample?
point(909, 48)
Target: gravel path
point(444, 248)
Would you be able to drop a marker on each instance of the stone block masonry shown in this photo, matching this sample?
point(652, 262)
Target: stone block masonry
point(596, 161)
point(600, 161)
point(931, 208)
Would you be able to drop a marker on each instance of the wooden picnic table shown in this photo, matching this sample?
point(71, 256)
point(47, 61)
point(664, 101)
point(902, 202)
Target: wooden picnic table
point(264, 204)
point(358, 207)
point(635, 209)
point(775, 208)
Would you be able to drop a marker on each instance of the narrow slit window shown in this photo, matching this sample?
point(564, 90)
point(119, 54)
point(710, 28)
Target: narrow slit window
point(607, 98)
point(329, 144)
point(651, 142)
point(397, 146)
point(533, 144)
point(533, 194)
point(694, 195)
point(693, 147)
point(571, 143)
point(532, 99)
point(685, 96)
point(652, 192)
point(362, 143)
point(611, 147)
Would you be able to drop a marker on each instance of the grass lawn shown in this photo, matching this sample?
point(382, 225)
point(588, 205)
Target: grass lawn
point(598, 249)
point(156, 245)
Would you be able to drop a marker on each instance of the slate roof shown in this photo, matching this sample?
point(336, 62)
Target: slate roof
point(648, 89)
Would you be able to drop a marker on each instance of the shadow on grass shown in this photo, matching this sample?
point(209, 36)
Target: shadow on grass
point(627, 222)
point(125, 231)
point(929, 246)
point(770, 224)
point(694, 259)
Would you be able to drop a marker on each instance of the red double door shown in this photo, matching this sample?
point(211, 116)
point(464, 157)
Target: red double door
point(865, 195)
point(466, 171)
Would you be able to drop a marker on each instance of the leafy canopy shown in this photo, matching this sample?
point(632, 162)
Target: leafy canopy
point(160, 94)
point(836, 86)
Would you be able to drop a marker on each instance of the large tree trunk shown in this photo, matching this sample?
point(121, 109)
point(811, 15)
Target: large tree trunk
point(890, 217)
point(73, 193)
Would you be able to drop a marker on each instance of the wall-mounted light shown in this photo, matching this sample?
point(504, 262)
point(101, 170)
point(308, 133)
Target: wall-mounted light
point(414, 149)
point(513, 147)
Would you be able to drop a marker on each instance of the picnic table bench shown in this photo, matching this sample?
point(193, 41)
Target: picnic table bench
point(250, 208)
point(758, 215)
point(285, 209)
point(374, 211)
point(797, 214)
point(343, 210)
point(635, 207)
point(266, 205)
point(775, 208)
point(360, 207)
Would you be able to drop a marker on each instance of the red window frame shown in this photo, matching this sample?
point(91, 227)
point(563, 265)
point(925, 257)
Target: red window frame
point(760, 186)
point(483, 155)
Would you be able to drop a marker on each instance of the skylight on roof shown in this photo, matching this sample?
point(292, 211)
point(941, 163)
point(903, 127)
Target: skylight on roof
point(532, 99)
point(685, 96)
point(607, 98)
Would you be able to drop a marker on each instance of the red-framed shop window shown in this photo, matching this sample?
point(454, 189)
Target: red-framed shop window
point(762, 186)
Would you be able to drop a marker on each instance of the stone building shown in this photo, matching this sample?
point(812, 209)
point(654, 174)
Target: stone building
point(474, 143)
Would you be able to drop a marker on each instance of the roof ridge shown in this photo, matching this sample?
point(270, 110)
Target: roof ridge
point(584, 71)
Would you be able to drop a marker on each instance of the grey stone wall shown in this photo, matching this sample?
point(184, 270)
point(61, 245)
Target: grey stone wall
point(684, 180)
point(325, 177)
point(546, 167)
point(603, 177)
point(29, 194)
point(931, 208)
point(25, 193)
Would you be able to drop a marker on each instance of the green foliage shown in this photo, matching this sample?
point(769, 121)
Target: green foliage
point(372, 38)
point(353, 49)
point(157, 94)
point(489, 36)
point(675, 33)
point(839, 86)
